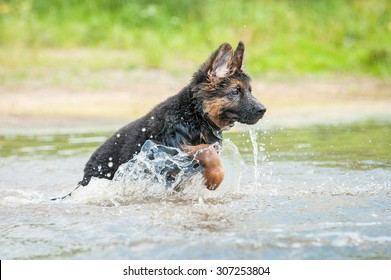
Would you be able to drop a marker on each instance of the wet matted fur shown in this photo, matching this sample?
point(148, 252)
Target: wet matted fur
point(218, 95)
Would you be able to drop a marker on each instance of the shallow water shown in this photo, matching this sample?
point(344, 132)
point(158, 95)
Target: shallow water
point(319, 192)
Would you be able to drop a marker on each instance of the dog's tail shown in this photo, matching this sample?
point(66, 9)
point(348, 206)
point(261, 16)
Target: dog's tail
point(82, 183)
point(67, 195)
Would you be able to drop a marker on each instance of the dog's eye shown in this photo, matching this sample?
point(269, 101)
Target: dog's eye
point(235, 92)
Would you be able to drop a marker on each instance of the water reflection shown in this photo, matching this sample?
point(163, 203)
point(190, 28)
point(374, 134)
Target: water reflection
point(364, 145)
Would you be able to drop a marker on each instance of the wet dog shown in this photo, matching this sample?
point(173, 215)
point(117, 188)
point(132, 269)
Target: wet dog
point(193, 120)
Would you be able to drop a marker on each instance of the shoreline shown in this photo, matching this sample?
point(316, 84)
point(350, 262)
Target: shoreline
point(129, 95)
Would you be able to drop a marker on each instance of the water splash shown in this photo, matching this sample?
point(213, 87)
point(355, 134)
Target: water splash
point(234, 167)
point(163, 173)
point(156, 172)
point(164, 165)
point(253, 137)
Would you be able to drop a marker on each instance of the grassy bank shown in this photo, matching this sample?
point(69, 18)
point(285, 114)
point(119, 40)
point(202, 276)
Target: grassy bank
point(289, 37)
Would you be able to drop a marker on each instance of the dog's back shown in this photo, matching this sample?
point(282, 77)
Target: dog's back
point(172, 123)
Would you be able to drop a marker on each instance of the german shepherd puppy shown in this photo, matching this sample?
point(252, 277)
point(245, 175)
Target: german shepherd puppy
point(218, 96)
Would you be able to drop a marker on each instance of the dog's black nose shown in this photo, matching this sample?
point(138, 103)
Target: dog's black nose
point(261, 110)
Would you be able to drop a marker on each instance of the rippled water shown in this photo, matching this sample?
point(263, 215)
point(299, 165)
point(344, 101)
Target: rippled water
point(320, 192)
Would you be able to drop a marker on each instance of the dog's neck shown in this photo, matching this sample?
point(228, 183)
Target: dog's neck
point(210, 123)
point(210, 132)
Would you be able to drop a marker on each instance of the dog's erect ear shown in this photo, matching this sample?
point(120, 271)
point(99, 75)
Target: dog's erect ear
point(218, 65)
point(222, 62)
point(238, 59)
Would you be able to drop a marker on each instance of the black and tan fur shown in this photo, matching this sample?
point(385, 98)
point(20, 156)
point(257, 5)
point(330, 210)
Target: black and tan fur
point(218, 96)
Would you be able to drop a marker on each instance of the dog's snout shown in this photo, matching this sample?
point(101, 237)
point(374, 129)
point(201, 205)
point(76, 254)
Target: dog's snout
point(257, 107)
point(261, 110)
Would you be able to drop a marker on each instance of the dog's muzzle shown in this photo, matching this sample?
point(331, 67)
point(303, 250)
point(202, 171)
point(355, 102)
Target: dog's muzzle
point(253, 115)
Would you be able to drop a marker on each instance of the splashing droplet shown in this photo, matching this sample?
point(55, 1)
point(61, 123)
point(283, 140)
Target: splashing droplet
point(253, 137)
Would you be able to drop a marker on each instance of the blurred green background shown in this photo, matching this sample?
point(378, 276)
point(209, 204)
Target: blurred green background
point(283, 37)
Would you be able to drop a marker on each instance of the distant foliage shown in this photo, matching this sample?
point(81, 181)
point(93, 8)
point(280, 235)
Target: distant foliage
point(286, 36)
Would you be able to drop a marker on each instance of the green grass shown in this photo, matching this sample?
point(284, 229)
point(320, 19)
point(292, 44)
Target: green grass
point(284, 37)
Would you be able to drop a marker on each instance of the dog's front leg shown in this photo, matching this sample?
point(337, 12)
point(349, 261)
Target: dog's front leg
point(210, 160)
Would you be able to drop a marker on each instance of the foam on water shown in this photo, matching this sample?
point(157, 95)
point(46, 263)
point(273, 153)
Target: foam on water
point(15, 197)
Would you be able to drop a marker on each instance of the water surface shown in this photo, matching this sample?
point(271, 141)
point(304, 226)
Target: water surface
point(318, 192)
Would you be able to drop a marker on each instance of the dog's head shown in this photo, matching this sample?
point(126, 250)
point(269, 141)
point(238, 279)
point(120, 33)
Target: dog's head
point(223, 89)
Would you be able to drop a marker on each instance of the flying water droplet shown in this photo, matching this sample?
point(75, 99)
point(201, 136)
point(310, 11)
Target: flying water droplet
point(253, 137)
